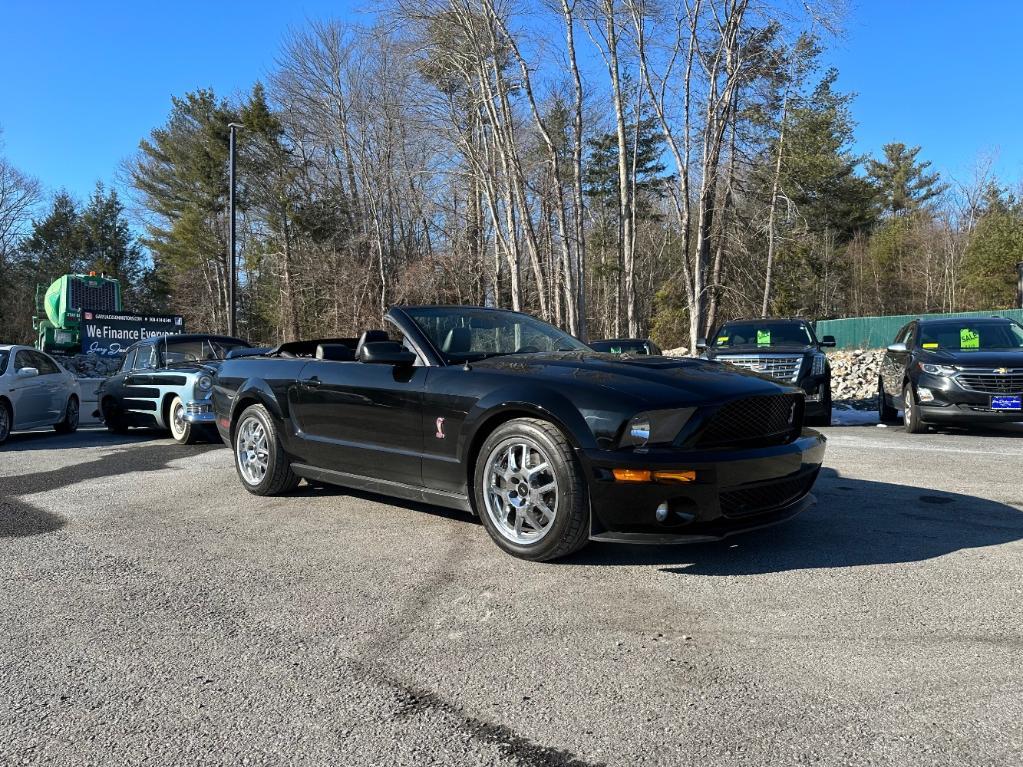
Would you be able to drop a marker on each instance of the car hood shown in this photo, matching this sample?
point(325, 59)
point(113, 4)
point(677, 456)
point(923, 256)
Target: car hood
point(205, 366)
point(656, 380)
point(993, 358)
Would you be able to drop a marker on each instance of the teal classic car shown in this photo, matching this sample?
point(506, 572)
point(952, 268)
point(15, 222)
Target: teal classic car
point(165, 382)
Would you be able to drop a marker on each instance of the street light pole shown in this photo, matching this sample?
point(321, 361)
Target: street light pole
point(233, 281)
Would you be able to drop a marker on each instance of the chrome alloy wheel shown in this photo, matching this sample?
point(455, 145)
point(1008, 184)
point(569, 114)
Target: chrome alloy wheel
point(521, 490)
point(252, 451)
point(72, 414)
point(5, 424)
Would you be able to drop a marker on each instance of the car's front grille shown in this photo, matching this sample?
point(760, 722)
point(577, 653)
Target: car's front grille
point(769, 419)
point(754, 499)
point(784, 367)
point(990, 382)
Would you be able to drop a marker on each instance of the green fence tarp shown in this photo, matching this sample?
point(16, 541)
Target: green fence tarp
point(878, 332)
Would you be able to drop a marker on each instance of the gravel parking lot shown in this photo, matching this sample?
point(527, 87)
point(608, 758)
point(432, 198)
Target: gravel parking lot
point(152, 612)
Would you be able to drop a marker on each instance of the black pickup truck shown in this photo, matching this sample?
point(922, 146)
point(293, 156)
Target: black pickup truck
point(785, 349)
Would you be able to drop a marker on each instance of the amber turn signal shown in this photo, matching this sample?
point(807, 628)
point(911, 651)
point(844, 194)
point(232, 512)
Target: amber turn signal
point(646, 475)
point(675, 476)
point(632, 475)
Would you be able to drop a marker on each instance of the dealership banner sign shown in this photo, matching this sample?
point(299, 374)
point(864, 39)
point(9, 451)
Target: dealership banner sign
point(111, 333)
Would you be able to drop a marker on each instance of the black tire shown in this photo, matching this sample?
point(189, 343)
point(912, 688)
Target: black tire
point(6, 421)
point(569, 530)
point(886, 413)
point(824, 419)
point(114, 419)
point(911, 413)
point(71, 415)
point(278, 477)
point(182, 431)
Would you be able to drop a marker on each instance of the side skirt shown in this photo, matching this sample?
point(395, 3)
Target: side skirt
point(383, 487)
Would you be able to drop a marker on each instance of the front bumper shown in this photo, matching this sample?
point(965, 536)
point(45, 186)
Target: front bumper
point(199, 412)
point(734, 491)
point(954, 404)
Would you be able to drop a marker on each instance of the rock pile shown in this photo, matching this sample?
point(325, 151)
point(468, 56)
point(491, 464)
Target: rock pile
point(854, 373)
point(92, 365)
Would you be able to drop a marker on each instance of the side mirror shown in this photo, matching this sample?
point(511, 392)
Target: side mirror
point(828, 341)
point(899, 348)
point(28, 372)
point(701, 343)
point(386, 353)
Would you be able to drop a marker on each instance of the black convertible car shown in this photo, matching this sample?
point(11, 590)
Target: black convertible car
point(549, 442)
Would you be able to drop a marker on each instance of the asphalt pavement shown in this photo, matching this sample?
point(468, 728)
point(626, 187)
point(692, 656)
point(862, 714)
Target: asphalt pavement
point(153, 612)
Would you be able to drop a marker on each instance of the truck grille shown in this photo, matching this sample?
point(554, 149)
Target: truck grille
point(754, 499)
point(784, 367)
point(771, 419)
point(991, 382)
point(99, 297)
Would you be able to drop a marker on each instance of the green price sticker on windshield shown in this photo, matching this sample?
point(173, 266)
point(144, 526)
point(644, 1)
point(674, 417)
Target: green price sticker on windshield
point(763, 337)
point(969, 339)
point(722, 339)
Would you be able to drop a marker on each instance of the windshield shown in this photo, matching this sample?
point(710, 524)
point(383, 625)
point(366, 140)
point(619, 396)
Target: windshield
point(764, 333)
point(621, 347)
point(197, 350)
point(971, 336)
point(4, 354)
point(462, 334)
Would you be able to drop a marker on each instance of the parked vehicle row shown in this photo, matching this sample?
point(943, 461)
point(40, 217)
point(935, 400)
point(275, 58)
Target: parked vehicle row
point(551, 442)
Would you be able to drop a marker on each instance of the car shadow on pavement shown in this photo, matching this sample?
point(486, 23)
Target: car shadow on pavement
point(138, 458)
point(856, 522)
point(317, 489)
point(87, 437)
point(19, 519)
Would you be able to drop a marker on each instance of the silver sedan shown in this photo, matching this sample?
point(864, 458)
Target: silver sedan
point(35, 391)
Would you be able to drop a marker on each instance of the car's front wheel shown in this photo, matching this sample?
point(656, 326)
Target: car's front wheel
point(911, 413)
point(114, 418)
point(182, 431)
point(530, 492)
point(262, 464)
point(5, 422)
point(69, 424)
point(886, 413)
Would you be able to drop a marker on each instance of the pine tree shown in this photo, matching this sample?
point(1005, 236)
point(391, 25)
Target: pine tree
point(903, 183)
point(993, 252)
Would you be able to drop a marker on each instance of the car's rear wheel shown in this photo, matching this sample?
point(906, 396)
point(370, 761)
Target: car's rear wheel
point(886, 413)
point(529, 491)
point(259, 458)
point(5, 422)
point(182, 431)
point(69, 424)
point(911, 413)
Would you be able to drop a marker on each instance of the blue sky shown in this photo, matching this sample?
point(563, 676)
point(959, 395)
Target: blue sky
point(83, 82)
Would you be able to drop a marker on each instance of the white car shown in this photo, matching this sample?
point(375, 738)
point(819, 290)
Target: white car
point(36, 391)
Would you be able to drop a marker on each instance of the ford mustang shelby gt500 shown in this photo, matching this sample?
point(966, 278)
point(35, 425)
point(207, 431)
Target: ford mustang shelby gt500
point(549, 442)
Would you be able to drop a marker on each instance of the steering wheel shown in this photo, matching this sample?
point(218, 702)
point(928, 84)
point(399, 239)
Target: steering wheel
point(528, 349)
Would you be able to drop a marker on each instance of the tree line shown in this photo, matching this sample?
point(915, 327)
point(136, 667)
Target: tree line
point(617, 167)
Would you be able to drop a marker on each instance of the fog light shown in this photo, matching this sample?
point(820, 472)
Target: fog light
point(662, 512)
point(924, 395)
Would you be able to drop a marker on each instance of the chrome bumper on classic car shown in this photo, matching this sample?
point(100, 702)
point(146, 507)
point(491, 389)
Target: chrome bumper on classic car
point(661, 497)
point(199, 412)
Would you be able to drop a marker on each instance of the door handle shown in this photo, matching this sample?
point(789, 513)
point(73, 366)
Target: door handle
point(312, 383)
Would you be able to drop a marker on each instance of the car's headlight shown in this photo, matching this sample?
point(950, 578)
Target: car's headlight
point(819, 361)
point(937, 370)
point(656, 427)
point(204, 383)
